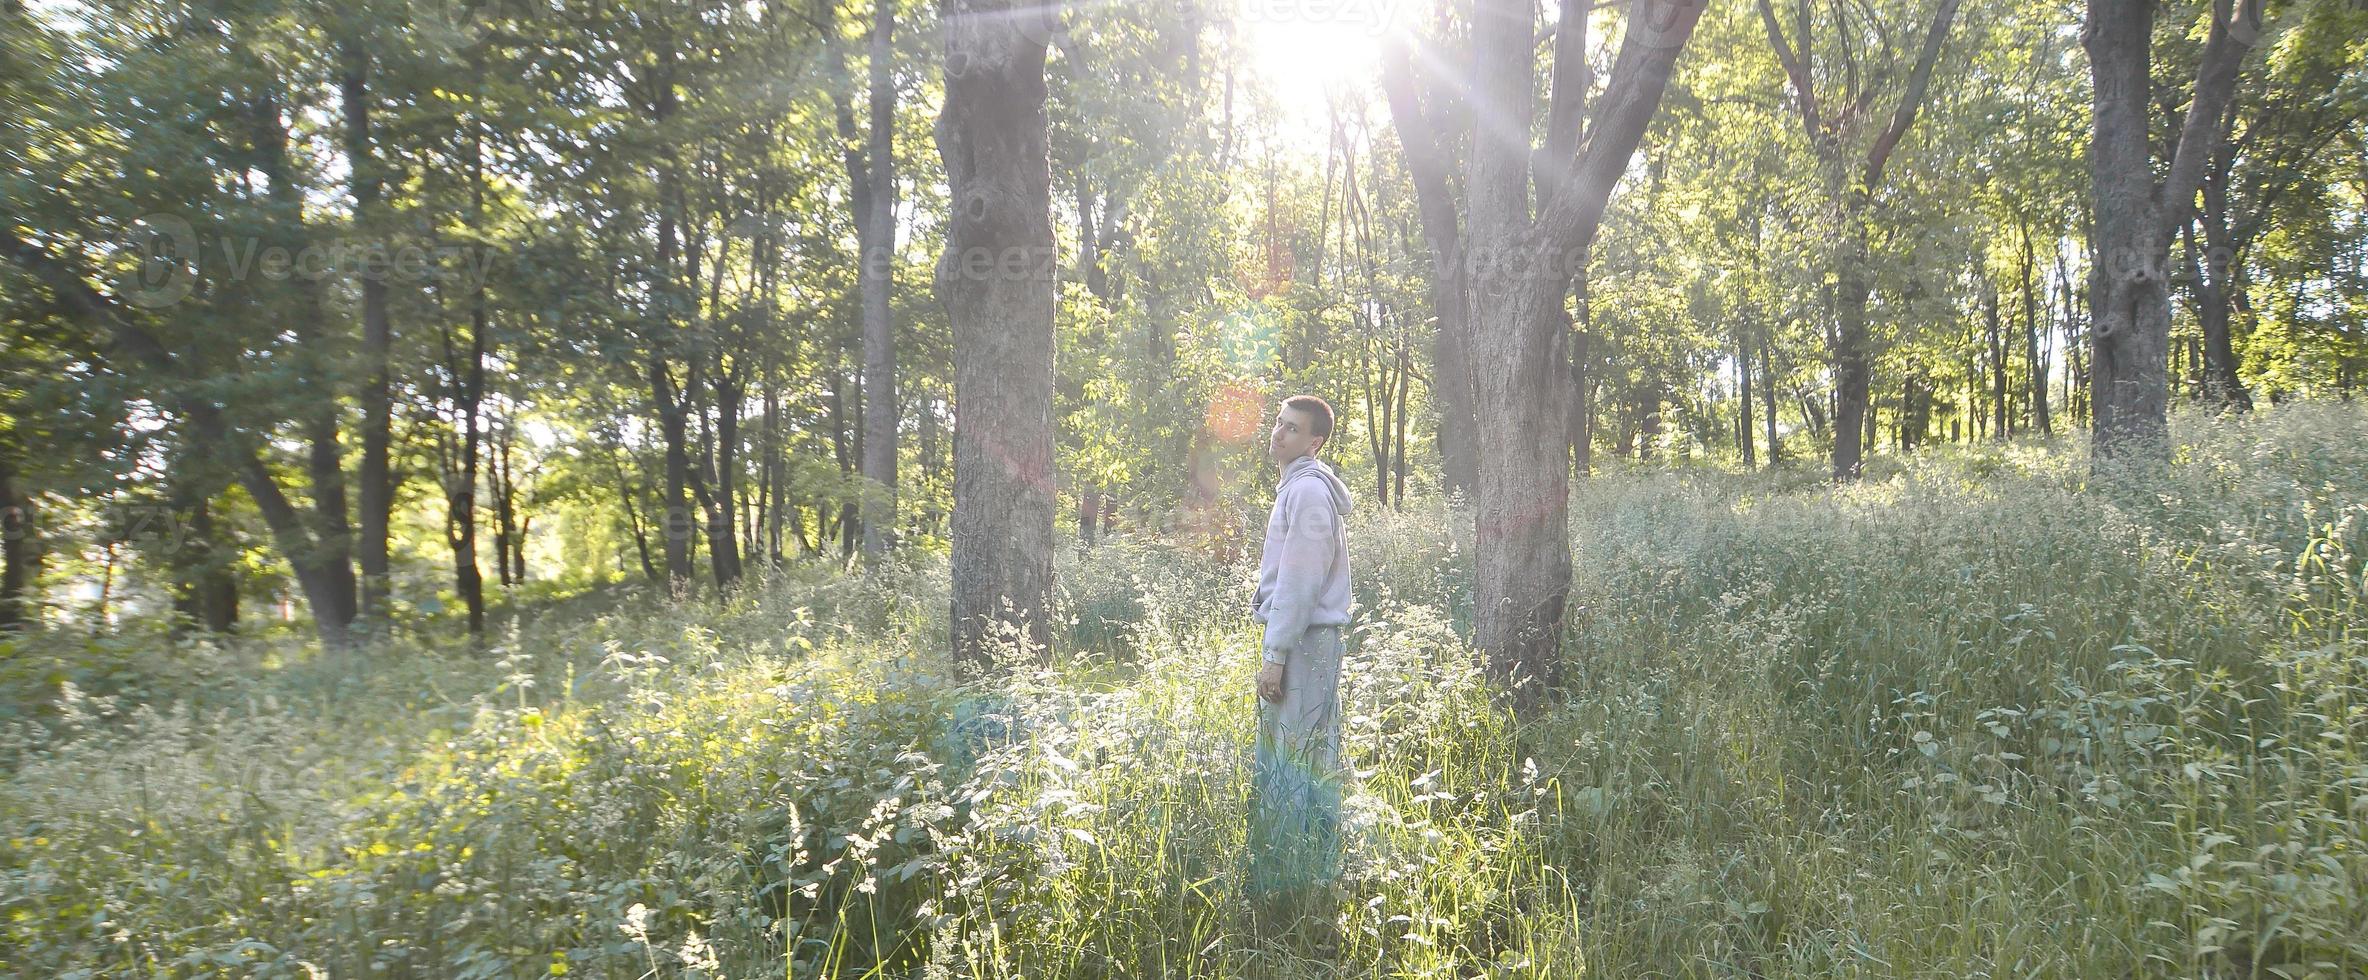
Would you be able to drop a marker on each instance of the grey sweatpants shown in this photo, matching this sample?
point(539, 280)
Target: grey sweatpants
point(1296, 787)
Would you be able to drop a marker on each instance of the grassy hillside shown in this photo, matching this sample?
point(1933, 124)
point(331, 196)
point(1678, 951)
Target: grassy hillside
point(1979, 716)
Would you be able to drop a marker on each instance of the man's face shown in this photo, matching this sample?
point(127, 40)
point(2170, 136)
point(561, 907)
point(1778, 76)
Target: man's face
point(1294, 435)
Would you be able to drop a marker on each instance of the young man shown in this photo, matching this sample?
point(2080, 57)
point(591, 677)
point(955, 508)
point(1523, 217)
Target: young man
point(1302, 598)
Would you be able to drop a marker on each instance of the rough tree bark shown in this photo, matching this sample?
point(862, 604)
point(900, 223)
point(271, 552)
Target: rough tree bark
point(1520, 273)
point(996, 279)
point(2137, 215)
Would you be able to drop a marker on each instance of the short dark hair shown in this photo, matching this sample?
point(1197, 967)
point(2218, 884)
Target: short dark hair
point(1320, 409)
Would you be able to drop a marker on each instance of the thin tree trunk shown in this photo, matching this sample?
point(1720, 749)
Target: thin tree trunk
point(1768, 395)
point(1405, 370)
point(723, 551)
point(880, 406)
point(20, 551)
point(1852, 185)
point(504, 520)
point(461, 496)
point(1995, 336)
point(771, 497)
point(628, 492)
point(2040, 417)
point(1852, 361)
point(377, 490)
point(1429, 162)
point(1743, 390)
point(2211, 278)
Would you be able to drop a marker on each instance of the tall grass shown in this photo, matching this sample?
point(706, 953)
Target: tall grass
point(1979, 716)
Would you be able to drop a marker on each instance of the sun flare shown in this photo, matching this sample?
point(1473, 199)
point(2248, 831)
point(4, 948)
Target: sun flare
point(1307, 52)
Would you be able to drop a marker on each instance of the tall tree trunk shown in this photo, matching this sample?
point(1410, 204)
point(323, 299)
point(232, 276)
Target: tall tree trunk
point(723, 550)
point(338, 600)
point(509, 545)
point(1583, 376)
point(996, 281)
point(204, 583)
point(2002, 426)
point(628, 492)
point(770, 504)
point(2211, 278)
point(1405, 370)
point(1429, 162)
point(1743, 392)
point(2074, 376)
point(1520, 326)
point(676, 526)
point(1853, 374)
point(461, 494)
point(677, 522)
point(1768, 396)
point(1874, 426)
point(880, 406)
point(461, 497)
point(377, 490)
point(20, 551)
point(846, 445)
point(933, 463)
point(2137, 215)
point(2040, 418)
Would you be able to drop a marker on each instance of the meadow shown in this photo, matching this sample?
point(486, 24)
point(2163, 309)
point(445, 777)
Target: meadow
point(1984, 714)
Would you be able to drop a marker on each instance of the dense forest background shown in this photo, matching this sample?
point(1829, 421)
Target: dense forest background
point(654, 488)
point(370, 312)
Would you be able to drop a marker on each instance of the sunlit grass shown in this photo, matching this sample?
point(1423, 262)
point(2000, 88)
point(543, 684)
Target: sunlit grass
point(1982, 716)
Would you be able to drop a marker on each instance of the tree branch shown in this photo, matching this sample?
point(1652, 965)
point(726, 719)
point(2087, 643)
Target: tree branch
point(2232, 34)
point(1804, 90)
point(1919, 81)
point(1656, 34)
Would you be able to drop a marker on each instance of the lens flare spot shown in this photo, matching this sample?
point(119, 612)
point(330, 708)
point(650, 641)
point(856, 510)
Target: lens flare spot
point(1233, 414)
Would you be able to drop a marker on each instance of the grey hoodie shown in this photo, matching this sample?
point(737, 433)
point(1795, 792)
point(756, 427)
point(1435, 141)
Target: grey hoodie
point(1303, 576)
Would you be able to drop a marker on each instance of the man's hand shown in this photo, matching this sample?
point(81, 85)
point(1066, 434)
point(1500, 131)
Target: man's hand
point(1270, 683)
